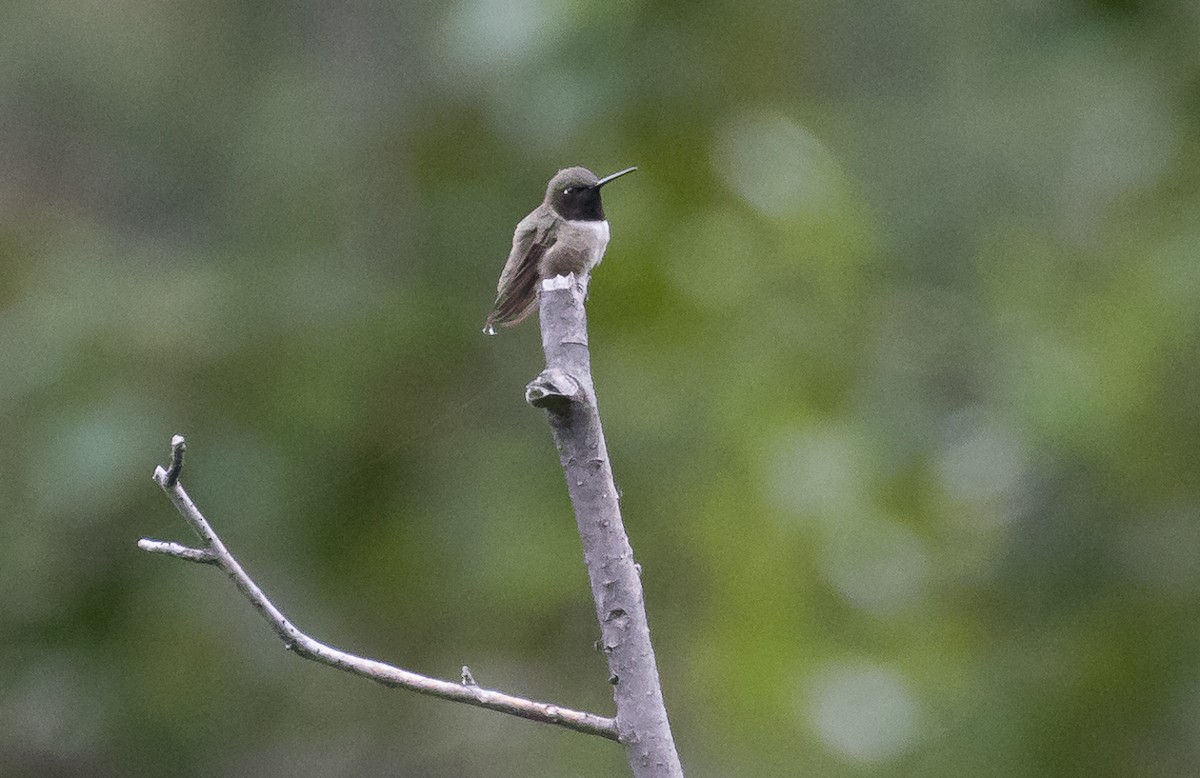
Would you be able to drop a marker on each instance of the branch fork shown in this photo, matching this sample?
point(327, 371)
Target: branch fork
point(212, 551)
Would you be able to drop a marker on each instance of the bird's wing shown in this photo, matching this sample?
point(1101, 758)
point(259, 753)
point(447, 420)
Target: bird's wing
point(516, 293)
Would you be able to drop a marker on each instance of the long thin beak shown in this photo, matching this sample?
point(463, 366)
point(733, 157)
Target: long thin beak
point(618, 174)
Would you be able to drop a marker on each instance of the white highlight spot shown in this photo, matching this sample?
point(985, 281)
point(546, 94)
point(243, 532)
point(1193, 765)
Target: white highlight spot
point(863, 711)
point(982, 459)
point(878, 565)
point(777, 166)
point(820, 471)
point(489, 35)
point(558, 282)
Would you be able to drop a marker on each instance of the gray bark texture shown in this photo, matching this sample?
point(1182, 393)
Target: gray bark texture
point(566, 391)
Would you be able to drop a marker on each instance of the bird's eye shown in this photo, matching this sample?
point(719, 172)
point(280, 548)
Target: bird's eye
point(567, 191)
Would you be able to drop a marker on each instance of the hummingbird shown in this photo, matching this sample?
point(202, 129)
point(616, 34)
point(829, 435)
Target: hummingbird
point(567, 233)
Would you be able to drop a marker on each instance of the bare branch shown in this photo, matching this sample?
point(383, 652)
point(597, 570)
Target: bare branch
point(215, 553)
point(566, 391)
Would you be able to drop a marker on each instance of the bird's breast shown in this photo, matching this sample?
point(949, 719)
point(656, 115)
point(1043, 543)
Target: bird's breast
point(591, 237)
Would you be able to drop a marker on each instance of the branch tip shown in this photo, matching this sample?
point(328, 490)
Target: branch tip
point(202, 556)
point(178, 447)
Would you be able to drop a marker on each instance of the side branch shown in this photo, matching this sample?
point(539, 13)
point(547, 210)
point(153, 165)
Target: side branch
point(214, 552)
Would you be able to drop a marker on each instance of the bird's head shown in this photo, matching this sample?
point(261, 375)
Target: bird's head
point(574, 193)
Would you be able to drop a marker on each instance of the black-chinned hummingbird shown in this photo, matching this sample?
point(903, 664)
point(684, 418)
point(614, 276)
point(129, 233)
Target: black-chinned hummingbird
point(567, 233)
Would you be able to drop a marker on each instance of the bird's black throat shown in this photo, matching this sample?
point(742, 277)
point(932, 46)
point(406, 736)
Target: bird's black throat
point(578, 203)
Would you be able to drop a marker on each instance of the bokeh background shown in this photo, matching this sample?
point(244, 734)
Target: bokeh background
point(896, 346)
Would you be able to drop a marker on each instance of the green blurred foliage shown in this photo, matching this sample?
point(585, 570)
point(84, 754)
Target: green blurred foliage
point(896, 344)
